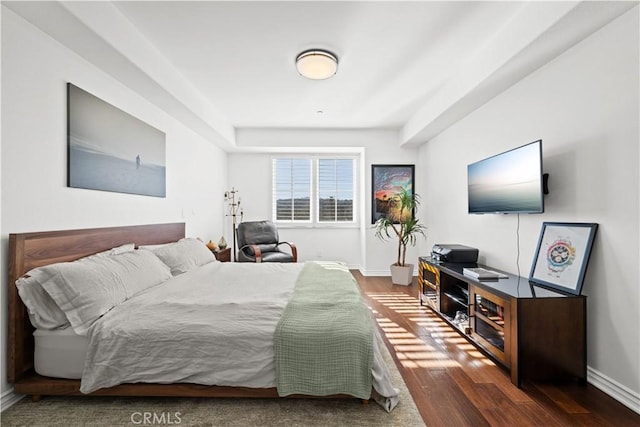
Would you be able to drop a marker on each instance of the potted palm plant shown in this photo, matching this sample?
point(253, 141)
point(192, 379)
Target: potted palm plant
point(402, 224)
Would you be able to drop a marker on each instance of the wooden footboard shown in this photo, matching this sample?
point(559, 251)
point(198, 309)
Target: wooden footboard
point(30, 250)
point(37, 386)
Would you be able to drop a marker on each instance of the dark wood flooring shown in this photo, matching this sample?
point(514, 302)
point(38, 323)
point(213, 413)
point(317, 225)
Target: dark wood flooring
point(453, 384)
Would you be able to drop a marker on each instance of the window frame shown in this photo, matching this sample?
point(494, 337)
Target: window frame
point(314, 208)
point(288, 222)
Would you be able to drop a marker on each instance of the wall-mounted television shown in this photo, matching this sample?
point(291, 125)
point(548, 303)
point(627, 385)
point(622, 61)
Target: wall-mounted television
point(509, 182)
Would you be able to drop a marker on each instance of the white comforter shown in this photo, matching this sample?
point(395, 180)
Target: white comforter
point(213, 325)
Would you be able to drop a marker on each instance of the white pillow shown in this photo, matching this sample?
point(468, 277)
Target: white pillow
point(43, 311)
point(183, 255)
point(86, 290)
point(128, 247)
point(154, 247)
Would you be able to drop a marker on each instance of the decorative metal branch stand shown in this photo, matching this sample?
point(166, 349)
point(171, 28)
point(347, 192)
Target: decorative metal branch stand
point(234, 210)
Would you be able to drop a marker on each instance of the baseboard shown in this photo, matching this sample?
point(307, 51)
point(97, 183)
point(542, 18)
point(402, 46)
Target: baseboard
point(382, 273)
point(349, 266)
point(622, 394)
point(8, 399)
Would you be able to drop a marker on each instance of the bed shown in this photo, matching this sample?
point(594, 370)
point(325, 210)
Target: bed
point(61, 351)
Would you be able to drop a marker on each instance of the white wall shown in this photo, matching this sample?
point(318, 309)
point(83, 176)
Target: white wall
point(358, 247)
point(35, 70)
point(379, 255)
point(584, 105)
point(250, 174)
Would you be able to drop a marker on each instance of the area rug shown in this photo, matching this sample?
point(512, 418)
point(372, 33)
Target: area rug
point(132, 411)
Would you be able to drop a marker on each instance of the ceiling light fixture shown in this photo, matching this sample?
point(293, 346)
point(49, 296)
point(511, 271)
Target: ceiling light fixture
point(316, 64)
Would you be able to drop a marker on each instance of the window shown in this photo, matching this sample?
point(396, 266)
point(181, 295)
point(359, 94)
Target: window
point(292, 189)
point(335, 190)
point(314, 190)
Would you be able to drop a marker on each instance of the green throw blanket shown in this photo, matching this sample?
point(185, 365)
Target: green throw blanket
point(324, 340)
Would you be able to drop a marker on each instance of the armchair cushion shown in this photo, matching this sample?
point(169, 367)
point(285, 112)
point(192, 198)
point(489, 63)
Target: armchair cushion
point(276, 257)
point(251, 249)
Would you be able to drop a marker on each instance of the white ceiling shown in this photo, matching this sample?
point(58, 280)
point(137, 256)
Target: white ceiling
point(224, 66)
point(391, 55)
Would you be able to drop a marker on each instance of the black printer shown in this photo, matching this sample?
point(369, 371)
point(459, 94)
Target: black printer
point(454, 253)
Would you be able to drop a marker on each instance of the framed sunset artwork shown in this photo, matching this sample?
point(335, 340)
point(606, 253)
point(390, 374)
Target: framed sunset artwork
point(386, 182)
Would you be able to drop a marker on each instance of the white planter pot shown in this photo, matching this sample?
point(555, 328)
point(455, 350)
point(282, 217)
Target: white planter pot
point(402, 275)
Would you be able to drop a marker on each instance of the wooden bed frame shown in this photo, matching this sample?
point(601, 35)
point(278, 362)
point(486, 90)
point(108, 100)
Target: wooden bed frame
point(30, 250)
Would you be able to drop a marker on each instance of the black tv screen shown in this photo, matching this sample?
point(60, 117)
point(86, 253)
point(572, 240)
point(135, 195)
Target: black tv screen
point(509, 182)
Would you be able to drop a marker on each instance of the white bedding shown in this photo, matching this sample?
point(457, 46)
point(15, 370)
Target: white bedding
point(213, 325)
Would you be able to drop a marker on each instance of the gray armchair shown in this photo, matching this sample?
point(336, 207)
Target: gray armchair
point(258, 242)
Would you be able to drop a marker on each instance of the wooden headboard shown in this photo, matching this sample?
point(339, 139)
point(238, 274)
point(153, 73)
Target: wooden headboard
point(30, 250)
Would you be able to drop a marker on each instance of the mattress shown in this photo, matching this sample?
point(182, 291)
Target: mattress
point(60, 353)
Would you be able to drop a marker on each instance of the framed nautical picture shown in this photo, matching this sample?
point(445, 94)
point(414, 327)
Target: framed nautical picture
point(386, 182)
point(111, 150)
point(562, 255)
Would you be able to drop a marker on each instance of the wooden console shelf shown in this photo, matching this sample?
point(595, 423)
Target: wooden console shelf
point(532, 331)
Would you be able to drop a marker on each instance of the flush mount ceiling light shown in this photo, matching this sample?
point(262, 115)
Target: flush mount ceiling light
point(317, 64)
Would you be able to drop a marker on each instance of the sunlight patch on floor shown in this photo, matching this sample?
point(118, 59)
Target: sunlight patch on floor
point(402, 341)
point(429, 364)
point(476, 354)
point(458, 340)
point(466, 347)
point(400, 335)
point(445, 334)
point(410, 350)
point(426, 321)
point(423, 347)
point(391, 329)
point(432, 318)
point(442, 331)
point(422, 355)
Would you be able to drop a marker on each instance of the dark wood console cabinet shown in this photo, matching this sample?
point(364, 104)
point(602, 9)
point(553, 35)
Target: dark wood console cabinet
point(532, 331)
